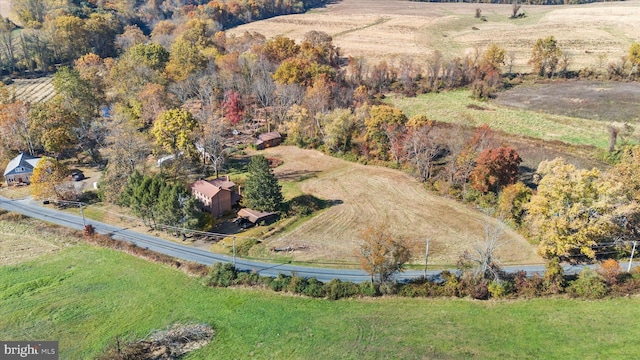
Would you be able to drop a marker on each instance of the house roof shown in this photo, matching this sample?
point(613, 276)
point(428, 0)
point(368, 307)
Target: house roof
point(21, 161)
point(253, 215)
point(269, 136)
point(210, 188)
point(223, 182)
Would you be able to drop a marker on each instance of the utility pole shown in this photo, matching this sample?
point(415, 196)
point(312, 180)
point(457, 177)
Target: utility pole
point(84, 223)
point(633, 250)
point(234, 252)
point(426, 259)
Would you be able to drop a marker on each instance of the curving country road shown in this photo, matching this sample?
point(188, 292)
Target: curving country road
point(33, 209)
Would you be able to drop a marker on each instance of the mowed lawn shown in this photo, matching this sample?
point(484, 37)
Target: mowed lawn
point(365, 196)
point(86, 297)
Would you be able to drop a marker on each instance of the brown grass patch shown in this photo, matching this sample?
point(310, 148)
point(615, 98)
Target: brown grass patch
point(368, 195)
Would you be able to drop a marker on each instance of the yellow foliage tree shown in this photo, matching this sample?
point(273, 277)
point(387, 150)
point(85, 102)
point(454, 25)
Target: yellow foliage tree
point(573, 210)
point(174, 131)
point(47, 177)
point(381, 255)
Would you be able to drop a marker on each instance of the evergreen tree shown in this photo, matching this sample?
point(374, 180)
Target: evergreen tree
point(262, 191)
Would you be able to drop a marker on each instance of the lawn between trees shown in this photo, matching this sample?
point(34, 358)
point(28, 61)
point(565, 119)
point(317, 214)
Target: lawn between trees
point(88, 297)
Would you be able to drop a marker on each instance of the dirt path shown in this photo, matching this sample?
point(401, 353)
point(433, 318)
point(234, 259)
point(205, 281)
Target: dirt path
point(369, 195)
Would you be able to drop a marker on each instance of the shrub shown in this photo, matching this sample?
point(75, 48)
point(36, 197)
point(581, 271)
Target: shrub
point(589, 285)
point(610, 271)
point(297, 285)
point(222, 275)
point(369, 289)
point(280, 282)
point(500, 289)
point(528, 287)
point(451, 284)
point(247, 279)
point(475, 286)
point(89, 230)
point(314, 288)
point(554, 282)
point(336, 289)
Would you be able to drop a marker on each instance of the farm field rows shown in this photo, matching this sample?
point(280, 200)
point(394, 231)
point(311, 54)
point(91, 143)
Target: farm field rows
point(368, 195)
point(394, 29)
point(87, 297)
point(34, 90)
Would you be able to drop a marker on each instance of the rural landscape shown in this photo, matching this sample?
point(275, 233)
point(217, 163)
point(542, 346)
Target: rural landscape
point(472, 141)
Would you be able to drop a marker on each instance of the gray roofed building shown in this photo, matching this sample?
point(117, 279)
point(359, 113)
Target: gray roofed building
point(20, 169)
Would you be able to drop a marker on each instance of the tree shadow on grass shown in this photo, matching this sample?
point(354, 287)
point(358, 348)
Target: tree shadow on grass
point(305, 205)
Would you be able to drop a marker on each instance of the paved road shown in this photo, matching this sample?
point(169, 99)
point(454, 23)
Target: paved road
point(33, 209)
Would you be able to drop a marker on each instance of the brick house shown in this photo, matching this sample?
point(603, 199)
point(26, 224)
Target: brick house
point(216, 196)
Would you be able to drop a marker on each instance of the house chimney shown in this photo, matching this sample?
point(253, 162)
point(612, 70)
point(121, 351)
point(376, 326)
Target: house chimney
point(228, 178)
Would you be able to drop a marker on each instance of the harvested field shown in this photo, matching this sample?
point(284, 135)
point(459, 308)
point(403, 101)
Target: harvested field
point(34, 90)
point(595, 100)
point(20, 241)
point(394, 29)
point(369, 195)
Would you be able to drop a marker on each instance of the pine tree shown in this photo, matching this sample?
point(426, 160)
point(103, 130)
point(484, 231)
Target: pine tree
point(262, 191)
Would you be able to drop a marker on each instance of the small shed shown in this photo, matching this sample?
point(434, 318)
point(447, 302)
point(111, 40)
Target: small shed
point(257, 217)
point(269, 139)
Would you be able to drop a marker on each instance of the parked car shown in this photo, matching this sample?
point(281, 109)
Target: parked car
point(77, 176)
point(244, 223)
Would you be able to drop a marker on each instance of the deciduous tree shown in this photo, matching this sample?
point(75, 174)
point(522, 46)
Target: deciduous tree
point(495, 169)
point(174, 130)
point(545, 56)
point(381, 254)
point(381, 122)
point(47, 178)
point(572, 210)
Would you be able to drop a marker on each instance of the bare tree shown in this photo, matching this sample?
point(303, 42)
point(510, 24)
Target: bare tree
point(484, 260)
point(421, 149)
point(287, 96)
point(434, 66)
point(211, 143)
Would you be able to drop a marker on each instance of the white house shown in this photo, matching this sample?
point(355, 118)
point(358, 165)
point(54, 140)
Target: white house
point(20, 169)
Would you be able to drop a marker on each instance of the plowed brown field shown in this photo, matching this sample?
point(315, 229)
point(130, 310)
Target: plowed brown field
point(369, 195)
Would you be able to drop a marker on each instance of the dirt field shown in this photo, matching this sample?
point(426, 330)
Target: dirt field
point(393, 29)
point(611, 102)
point(369, 195)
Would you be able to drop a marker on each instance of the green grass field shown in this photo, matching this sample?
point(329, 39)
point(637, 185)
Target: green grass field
point(85, 297)
point(451, 107)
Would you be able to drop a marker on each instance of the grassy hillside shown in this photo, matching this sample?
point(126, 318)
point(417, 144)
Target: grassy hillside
point(459, 107)
point(86, 297)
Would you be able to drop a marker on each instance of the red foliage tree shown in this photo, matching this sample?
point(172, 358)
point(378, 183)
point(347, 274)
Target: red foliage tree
point(495, 168)
point(232, 107)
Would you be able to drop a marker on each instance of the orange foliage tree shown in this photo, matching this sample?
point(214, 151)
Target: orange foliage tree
point(495, 168)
